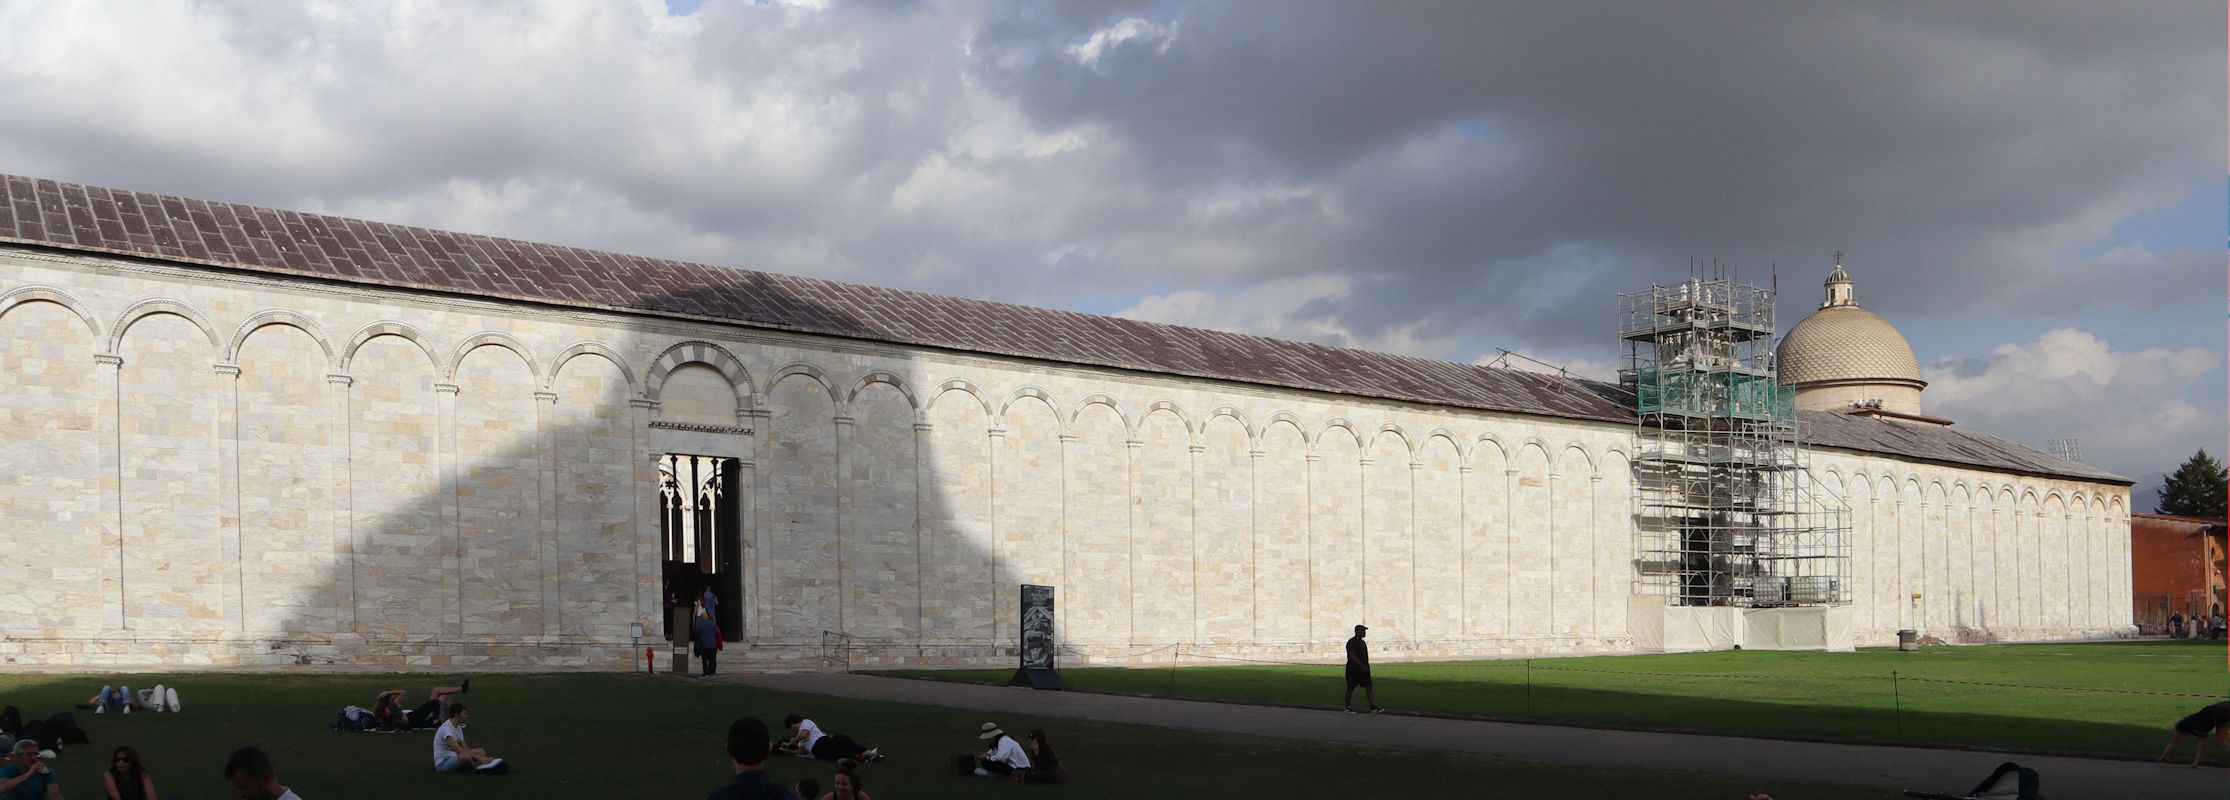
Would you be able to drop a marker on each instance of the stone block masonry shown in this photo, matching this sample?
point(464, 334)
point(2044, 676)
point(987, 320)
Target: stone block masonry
point(206, 466)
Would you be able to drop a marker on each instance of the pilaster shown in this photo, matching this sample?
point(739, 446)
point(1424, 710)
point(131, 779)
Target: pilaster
point(452, 530)
point(109, 416)
point(228, 499)
point(545, 427)
point(343, 501)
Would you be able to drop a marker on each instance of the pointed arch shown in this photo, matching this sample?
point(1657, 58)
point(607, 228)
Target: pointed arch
point(160, 305)
point(288, 319)
point(587, 348)
point(390, 328)
point(48, 294)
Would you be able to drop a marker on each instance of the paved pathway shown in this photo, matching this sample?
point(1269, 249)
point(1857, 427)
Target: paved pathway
point(1811, 762)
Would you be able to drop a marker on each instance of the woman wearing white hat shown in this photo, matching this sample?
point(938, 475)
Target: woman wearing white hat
point(1002, 755)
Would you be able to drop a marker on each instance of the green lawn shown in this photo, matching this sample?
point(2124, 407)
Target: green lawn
point(637, 736)
point(1845, 697)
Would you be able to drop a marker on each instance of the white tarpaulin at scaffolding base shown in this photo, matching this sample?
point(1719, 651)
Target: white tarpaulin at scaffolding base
point(1661, 628)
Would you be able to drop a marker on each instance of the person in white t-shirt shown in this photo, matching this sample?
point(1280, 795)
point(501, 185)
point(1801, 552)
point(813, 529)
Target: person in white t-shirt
point(451, 754)
point(807, 741)
point(1004, 756)
point(251, 774)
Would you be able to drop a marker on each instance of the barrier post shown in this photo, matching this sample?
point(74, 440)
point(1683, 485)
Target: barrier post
point(1897, 704)
point(1529, 687)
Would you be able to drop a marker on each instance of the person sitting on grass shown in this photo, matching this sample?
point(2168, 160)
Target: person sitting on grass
point(1045, 765)
point(1002, 756)
point(848, 787)
point(2214, 720)
point(25, 776)
point(749, 744)
point(807, 741)
point(126, 778)
point(451, 753)
point(251, 774)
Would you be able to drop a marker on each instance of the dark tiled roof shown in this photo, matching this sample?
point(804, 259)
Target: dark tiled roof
point(1937, 443)
point(89, 218)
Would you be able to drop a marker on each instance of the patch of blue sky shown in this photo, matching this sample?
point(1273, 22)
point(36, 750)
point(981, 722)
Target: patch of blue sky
point(683, 8)
point(2198, 221)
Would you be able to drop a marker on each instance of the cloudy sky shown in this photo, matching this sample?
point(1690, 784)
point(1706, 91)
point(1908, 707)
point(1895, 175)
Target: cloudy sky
point(2033, 192)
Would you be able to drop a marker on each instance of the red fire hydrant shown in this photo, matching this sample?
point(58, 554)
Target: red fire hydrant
point(650, 661)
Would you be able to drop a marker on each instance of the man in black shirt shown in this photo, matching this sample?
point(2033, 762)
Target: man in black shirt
point(2213, 721)
point(748, 746)
point(1359, 672)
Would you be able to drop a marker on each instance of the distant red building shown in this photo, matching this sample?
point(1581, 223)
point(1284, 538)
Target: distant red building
point(2176, 565)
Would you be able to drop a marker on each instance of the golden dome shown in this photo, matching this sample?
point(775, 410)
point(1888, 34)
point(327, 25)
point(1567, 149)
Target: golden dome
point(1842, 343)
point(1845, 343)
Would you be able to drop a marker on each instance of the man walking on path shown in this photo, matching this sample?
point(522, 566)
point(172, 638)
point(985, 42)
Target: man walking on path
point(1359, 672)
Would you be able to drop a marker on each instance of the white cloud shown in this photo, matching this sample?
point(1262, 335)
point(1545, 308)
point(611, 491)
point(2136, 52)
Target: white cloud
point(1131, 29)
point(1303, 308)
point(2133, 410)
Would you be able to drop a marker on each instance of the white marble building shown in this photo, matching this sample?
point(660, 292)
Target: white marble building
point(232, 435)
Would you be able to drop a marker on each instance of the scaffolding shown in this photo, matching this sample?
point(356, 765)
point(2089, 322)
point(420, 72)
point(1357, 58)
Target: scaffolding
point(1726, 511)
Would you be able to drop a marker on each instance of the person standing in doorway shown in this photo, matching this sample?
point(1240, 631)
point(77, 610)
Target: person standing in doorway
point(706, 636)
point(1359, 672)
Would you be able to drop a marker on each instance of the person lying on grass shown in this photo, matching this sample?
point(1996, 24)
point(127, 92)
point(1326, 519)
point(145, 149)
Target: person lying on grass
point(2214, 720)
point(388, 713)
point(807, 741)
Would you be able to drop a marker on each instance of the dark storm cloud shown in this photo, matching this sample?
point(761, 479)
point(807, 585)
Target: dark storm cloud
point(1950, 148)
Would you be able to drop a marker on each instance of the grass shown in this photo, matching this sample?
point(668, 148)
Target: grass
point(592, 735)
point(1839, 697)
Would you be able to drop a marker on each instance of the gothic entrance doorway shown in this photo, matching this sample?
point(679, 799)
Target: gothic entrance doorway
point(700, 523)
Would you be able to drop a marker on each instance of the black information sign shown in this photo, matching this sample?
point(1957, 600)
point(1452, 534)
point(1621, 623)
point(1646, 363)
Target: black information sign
point(1038, 642)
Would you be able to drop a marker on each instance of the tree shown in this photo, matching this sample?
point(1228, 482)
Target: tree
point(2196, 490)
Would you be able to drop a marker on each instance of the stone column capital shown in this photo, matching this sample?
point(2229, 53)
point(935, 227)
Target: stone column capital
point(546, 397)
point(840, 421)
point(1510, 473)
point(1365, 461)
point(923, 427)
point(1464, 470)
point(109, 359)
point(1256, 453)
point(1066, 438)
point(995, 433)
point(447, 388)
point(340, 380)
point(1196, 449)
point(230, 370)
point(638, 402)
point(1134, 443)
point(1312, 458)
